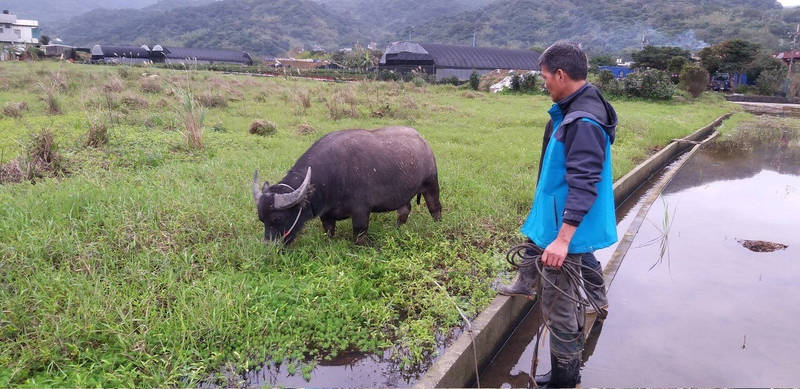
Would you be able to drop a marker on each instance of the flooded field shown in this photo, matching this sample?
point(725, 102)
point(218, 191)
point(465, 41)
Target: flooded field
point(691, 305)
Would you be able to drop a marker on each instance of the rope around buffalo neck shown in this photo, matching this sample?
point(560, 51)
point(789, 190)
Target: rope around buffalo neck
point(299, 211)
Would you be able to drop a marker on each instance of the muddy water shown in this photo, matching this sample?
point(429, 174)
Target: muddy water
point(708, 312)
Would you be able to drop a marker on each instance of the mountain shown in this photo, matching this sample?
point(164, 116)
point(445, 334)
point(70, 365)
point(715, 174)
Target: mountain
point(605, 26)
point(50, 11)
point(394, 19)
point(273, 27)
point(259, 27)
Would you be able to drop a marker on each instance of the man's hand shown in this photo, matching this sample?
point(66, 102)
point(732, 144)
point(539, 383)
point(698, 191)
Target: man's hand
point(556, 252)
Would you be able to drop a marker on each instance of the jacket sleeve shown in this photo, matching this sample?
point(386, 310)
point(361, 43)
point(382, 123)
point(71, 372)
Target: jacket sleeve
point(585, 148)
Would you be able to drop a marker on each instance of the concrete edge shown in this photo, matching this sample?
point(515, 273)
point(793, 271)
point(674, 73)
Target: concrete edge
point(455, 368)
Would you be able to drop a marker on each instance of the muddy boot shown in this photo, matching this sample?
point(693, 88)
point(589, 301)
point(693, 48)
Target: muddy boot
point(523, 286)
point(564, 374)
point(528, 274)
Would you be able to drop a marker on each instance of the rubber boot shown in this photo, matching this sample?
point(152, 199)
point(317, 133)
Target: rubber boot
point(523, 286)
point(564, 373)
point(528, 274)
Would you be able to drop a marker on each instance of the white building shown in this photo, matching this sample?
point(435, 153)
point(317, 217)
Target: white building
point(13, 30)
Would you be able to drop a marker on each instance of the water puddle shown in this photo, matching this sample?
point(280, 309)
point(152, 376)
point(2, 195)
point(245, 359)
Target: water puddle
point(691, 304)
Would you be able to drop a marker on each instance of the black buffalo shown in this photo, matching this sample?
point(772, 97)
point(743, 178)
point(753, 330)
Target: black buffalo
point(355, 172)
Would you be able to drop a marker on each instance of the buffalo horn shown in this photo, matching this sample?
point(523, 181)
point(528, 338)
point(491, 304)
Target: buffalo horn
point(256, 191)
point(286, 200)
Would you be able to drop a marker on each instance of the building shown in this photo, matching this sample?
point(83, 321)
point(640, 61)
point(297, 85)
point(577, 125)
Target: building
point(13, 30)
point(618, 71)
point(169, 55)
point(121, 54)
point(788, 56)
point(183, 55)
point(447, 61)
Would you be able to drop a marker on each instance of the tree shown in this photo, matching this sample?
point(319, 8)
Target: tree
point(710, 58)
point(764, 62)
point(659, 57)
point(737, 54)
point(676, 64)
point(694, 79)
point(44, 40)
point(474, 80)
point(602, 60)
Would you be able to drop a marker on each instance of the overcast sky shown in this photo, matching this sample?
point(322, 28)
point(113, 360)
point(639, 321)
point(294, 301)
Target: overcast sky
point(790, 3)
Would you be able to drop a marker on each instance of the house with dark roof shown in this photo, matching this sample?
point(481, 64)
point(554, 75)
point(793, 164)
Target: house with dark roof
point(171, 55)
point(120, 54)
point(446, 61)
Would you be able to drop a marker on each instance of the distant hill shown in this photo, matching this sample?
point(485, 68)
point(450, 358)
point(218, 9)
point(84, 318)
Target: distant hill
point(260, 27)
point(273, 27)
point(615, 26)
point(50, 11)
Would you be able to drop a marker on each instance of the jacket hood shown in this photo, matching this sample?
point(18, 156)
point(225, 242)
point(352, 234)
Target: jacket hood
point(588, 102)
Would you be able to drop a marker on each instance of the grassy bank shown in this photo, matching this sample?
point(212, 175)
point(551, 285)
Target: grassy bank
point(141, 262)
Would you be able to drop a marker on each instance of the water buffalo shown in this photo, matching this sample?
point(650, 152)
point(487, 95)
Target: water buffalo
point(355, 172)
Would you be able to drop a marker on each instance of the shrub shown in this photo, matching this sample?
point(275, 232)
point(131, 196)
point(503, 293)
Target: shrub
point(263, 128)
point(605, 77)
point(388, 76)
point(53, 103)
point(41, 156)
point(193, 117)
point(14, 110)
point(305, 129)
point(744, 89)
point(150, 85)
point(97, 135)
point(450, 80)
point(212, 100)
point(694, 79)
point(516, 83)
point(133, 101)
point(769, 81)
point(474, 80)
point(114, 85)
point(649, 84)
point(418, 81)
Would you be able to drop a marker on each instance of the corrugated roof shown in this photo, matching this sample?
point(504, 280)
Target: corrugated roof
point(481, 57)
point(120, 51)
point(462, 57)
point(206, 54)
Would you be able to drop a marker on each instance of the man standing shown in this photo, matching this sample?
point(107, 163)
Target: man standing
point(573, 208)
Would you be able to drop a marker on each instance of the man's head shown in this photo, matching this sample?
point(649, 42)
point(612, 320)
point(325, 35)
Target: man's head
point(564, 67)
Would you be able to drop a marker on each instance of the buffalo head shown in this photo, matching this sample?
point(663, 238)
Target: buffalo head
point(281, 212)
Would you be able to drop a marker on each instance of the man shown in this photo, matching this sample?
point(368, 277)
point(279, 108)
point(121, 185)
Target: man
point(573, 209)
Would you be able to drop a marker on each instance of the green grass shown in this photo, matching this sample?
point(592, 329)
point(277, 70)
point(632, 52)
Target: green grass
point(145, 265)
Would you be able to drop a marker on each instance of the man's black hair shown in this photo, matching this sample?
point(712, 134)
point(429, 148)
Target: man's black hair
point(566, 56)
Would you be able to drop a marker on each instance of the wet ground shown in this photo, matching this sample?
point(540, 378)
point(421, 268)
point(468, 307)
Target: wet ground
point(708, 312)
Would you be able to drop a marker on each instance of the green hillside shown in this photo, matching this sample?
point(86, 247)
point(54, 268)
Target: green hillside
point(259, 27)
point(274, 27)
point(614, 26)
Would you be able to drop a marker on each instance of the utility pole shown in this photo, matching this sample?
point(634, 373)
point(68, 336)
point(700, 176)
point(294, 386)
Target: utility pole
point(791, 60)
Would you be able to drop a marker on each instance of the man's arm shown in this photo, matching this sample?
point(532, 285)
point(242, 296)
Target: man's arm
point(585, 148)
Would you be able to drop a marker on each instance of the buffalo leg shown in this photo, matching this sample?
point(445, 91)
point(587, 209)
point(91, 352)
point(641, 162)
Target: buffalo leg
point(360, 225)
point(328, 225)
point(431, 194)
point(402, 214)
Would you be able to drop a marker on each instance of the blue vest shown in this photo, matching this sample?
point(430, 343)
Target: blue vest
point(599, 227)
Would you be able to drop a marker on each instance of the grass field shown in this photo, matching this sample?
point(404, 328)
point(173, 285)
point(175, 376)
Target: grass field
point(141, 263)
